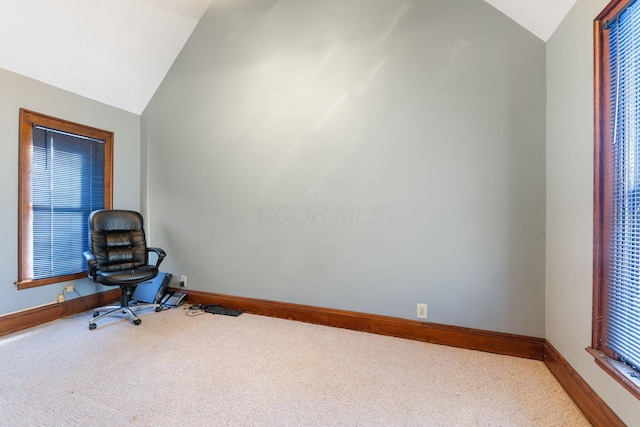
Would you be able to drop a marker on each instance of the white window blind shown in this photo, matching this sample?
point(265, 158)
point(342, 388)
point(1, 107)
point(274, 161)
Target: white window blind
point(67, 184)
point(622, 296)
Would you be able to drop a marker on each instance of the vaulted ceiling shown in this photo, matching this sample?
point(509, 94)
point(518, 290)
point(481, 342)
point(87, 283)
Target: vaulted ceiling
point(118, 51)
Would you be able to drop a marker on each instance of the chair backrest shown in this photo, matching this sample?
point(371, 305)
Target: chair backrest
point(117, 239)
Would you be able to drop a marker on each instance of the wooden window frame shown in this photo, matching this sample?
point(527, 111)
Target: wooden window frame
point(25, 218)
point(603, 120)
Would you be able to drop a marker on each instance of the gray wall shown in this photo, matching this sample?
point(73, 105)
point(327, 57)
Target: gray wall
point(570, 202)
point(22, 92)
point(361, 155)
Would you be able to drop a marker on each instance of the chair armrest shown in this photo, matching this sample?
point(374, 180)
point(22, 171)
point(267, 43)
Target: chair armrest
point(92, 265)
point(161, 254)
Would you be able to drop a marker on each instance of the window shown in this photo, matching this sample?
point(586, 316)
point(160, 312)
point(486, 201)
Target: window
point(65, 173)
point(616, 319)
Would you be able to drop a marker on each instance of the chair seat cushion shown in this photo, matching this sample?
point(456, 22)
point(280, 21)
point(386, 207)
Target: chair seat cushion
point(127, 277)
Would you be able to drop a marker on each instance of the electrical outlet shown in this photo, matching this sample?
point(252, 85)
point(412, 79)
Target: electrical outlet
point(421, 311)
point(60, 297)
point(183, 281)
point(68, 288)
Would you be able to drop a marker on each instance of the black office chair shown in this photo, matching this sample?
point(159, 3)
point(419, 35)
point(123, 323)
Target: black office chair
point(119, 256)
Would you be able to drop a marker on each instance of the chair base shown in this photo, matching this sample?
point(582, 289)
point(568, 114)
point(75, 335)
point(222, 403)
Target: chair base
point(114, 309)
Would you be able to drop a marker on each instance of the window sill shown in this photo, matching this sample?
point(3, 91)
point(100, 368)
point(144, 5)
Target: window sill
point(32, 283)
point(619, 371)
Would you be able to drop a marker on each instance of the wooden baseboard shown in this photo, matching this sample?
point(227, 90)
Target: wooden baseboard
point(454, 336)
point(25, 319)
point(591, 405)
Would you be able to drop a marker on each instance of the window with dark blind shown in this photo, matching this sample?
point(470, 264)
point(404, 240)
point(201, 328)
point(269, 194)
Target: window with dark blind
point(616, 326)
point(65, 174)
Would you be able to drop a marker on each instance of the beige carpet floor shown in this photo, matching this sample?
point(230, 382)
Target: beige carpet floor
point(205, 370)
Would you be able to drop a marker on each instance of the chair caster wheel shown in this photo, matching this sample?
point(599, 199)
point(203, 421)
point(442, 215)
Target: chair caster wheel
point(158, 309)
point(92, 326)
point(137, 322)
point(96, 313)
